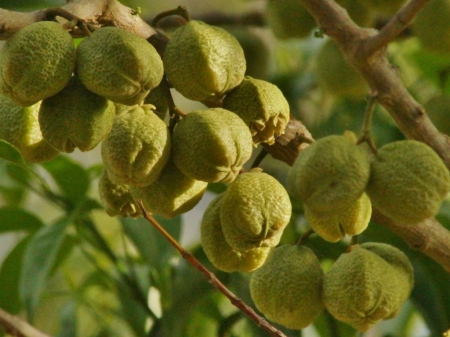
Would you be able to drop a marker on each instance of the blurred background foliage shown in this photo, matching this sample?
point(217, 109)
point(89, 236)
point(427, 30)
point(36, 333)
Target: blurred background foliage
point(71, 270)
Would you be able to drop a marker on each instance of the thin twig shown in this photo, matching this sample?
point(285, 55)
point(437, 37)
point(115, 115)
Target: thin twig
point(259, 158)
point(236, 301)
point(305, 236)
point(394, 27)
point(16, 326)
point(367, 125)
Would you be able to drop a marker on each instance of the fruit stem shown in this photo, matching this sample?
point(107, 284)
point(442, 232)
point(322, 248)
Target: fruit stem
point(354, 240)
point(52, 13)
point(367, 125)
point(215, 282)
point(304, 237)
point(260, 158)
point(180, 10)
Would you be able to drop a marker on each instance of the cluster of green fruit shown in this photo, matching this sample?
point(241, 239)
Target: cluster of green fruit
point(110, 90)
point(367, 284)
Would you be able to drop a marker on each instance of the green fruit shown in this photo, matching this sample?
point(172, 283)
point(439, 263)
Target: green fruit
point(219, 252)
point(289, 19)
point(387, 7)
point(203, 62)
point(361, 288)
point(330, 175)
point(137, 147)
point(287, 288)
point(36, 63)
point(117, 199)
point(438, 109)
point(262, 106)
point(408, 181)
point(211, 145)
point(75, 118)
point(118, 65)
point(19, 126)
point(171, 194)
point(335, 225)
point(255, 210)
point(336, 76)
point(432, 27)
point(256, 50)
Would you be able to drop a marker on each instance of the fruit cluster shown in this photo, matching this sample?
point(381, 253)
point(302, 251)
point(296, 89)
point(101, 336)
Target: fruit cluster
point(110, 90)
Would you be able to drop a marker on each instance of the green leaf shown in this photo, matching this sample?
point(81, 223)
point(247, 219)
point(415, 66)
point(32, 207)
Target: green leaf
point(154, 248)
point(132, 311)
point(39, 259)
point(9, 278)
point(68, 319)
point(72, 179)
point(9, 153)
point(18, 219)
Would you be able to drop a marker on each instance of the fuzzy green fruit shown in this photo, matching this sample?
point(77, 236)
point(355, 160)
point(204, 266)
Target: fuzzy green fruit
point(173, 193)
point(117, 199)
point(118, 65)
point(137, 148)
point(211, 145)
point(408, 181)
point(262, 106)
point(336, 76)
point(334, 226)
point(255, 210)
point(219, 252)
point(287, 288)
point(20, 127)
point(36, 63)
point(203, 62)
point(75, 118)
point(330, 175)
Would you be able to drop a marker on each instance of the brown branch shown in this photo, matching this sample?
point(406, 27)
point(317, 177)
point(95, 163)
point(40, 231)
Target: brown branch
point(215, 282)
point(429, 237)
point(396, 25)
point(16, 326)
point(94, 12)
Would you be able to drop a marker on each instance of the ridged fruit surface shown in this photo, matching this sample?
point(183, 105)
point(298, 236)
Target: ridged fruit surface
point(36, 63)
point(287, 287)
point(203, 62)
point(118, 65)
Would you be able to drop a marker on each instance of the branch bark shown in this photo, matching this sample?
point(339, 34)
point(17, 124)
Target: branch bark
point(16, 326)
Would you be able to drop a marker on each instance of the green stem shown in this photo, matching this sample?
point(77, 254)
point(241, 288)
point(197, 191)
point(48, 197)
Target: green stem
point(367, 125)
point(305, 236)
point(260, 158)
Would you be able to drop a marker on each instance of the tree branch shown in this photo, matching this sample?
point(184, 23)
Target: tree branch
point(16, 326)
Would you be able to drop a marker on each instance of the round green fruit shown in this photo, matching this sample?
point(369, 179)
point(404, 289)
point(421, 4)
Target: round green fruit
point(287, 287)
point(75, 118)
point(203, 62)
point(19, 126)
point(219, 252)
point(118, 65)
point(211, 145)
point(408, 181)
point(36, 63)
point(255, 210)
point(137, 148)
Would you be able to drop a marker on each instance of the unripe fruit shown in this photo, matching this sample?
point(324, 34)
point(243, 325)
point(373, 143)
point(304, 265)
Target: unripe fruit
point(75, 118)
point(438, 109)
point(171, 194)
point(408, 181)
point(336, 76)
point(211, 145)
point(118, 65)
point(19, 126)
point(137, 147)
point(203, 62)
point(289, 19)
point(219, 252)
point(287, 288)
point(255, 210)
point(334, 226)
point(361, 288)
point(330, 175)
point(117, 199)
point(432, 27)
point(36, 63)
point(262, 106)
